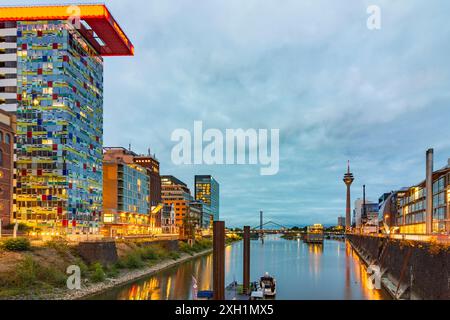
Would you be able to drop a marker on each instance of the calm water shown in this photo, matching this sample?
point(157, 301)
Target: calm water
point(331, 271)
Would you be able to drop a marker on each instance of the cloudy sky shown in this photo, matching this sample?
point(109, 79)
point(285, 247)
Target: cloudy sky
point(312, 69)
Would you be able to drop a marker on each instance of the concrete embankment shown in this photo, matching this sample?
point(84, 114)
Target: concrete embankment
point(409, 269)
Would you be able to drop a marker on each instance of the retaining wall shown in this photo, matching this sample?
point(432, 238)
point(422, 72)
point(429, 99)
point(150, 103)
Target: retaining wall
point(104, 252)
point(426, 265)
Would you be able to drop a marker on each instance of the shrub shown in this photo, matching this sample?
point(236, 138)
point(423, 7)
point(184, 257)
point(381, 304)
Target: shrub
point(83, 267)
point(149, 253)
point(98, 275)
point(17, 244)
point(133, 261)
point(120, 264)
point(60, 245)
point(174, 255)
point(29, 274)
point(112, 272)
point(26, 273)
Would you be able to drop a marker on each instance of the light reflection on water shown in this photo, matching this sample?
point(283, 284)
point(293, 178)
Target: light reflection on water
point(331, 271)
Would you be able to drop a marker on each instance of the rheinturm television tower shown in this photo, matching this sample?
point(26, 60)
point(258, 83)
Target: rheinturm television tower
point(348, 180)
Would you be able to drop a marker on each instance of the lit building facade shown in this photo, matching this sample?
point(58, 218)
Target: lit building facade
point(175, 193)
point(341, 222)
point(151, 164)
point(126, 202)
point(7, 131)
point(207, 190)
point(366, 216)
point(168, 225)
point(205, 213)
point(59, 105)
point(411, 217)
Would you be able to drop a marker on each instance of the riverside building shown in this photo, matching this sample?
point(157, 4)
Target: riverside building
point(413, 216)
point(207, 190)
point(7, 131)
point(126, 199)
point(52, 65)
point(176, 193)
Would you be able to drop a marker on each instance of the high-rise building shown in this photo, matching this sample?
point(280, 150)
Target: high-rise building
point(55, 86)
point(341, 222)
point(7, 131)
point(8, 65)
point(152, 164)
point(126, 198)
point(207, 191)
point(176, 193)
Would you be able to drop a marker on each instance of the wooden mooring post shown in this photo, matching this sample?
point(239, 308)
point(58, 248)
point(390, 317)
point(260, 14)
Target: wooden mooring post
point(219, 260)
point(246, 260)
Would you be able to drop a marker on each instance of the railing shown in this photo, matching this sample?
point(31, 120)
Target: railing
point(444, 239)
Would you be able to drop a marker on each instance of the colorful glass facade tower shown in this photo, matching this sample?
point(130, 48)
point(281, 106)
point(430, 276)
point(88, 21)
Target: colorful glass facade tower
point(59, 102)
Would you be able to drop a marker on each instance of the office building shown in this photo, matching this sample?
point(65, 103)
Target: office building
point(366, 216)
point(168, 225)
point(205, 213)
point(55, 86)
point(152, 164)
point(413, 216)
point(176, 193)
point(341, 222)
point(126, 202)
point(207, 191)
point(7, 131)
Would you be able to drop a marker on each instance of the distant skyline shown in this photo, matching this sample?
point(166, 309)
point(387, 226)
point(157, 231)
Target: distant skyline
point(336, 90)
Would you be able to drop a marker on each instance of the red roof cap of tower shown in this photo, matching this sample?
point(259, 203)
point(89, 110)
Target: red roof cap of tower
point(101, 24)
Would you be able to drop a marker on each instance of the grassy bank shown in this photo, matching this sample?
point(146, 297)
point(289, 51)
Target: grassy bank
point(28, 272)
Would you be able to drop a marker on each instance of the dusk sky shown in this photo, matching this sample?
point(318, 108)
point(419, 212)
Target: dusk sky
point(336, 90)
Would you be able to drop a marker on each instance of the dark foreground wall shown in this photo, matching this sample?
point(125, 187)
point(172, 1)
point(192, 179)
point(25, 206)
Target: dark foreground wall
point(428, 264)
point(104, 252)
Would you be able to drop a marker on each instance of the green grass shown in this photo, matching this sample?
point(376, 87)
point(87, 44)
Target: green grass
point(31, 275)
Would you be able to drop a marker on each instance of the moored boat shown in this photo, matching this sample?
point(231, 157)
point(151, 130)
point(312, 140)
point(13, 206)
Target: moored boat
point(268, 285)
point(314, 234)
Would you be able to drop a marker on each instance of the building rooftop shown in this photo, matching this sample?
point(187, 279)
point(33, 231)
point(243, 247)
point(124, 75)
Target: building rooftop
point(97, 24)
point(173, 180)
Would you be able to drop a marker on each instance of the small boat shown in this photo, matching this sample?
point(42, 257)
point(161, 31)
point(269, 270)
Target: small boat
point(268, 285)
point(205, 295)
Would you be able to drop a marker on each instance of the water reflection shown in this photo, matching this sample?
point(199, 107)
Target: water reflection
point(330, 271)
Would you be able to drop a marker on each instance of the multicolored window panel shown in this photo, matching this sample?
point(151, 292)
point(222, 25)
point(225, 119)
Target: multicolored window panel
point(60, 128)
